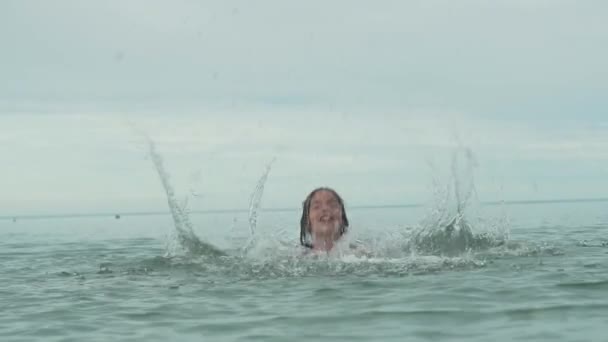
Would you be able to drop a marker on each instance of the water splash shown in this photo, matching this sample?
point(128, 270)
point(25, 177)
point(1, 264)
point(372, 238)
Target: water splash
point(463, 178)
point(183, 233)
point(256, 198)
point(444, 241)
point(255, 202)
point(447, 230)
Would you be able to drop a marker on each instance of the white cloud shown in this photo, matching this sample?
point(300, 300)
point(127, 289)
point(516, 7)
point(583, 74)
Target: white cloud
point(464, 54)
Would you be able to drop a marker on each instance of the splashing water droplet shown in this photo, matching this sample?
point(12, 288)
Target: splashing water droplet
point(254, 204)
point(181, 220)
point(445, 232)
point(256, 198)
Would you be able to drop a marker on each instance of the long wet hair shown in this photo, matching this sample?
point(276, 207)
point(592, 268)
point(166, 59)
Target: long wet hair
point(305, 221)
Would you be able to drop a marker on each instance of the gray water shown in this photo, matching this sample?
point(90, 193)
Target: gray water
point(102, 279)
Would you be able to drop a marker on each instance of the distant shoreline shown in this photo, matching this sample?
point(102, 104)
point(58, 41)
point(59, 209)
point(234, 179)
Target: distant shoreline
point(118, 215)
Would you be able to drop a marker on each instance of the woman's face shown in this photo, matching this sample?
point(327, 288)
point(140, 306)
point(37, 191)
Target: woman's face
point(325, 214)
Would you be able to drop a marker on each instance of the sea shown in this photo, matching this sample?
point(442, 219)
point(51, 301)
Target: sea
point(504, 271)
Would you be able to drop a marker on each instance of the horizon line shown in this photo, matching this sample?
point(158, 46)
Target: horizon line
point(118, 215)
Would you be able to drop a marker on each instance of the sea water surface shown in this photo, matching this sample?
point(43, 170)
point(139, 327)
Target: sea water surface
point(127, 279)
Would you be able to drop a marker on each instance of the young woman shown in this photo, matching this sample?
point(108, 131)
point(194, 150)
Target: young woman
point(323, 219)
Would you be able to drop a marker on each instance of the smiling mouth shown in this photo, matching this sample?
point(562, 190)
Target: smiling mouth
point(326, 218)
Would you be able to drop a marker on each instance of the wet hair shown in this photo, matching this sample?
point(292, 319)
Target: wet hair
point(305, 221)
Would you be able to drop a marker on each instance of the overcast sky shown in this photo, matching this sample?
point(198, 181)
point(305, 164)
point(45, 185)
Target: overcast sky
point(368, 97)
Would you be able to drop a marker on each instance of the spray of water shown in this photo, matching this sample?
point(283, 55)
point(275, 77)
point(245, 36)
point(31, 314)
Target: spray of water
point(181, 220)
point(255, 202)
point(445, 233)
point(447, 230)
point(256, 198)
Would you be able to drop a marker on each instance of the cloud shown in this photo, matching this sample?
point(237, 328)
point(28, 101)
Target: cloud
point(465, 56)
